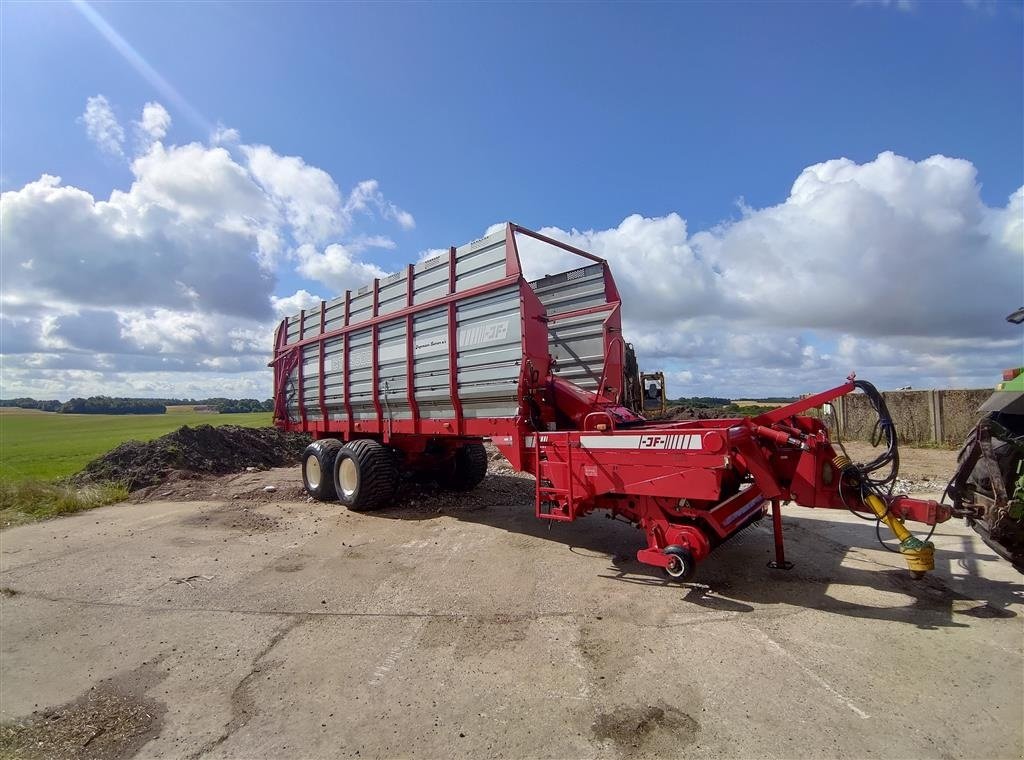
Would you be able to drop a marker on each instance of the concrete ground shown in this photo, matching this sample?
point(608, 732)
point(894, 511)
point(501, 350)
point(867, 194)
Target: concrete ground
point(238, 629)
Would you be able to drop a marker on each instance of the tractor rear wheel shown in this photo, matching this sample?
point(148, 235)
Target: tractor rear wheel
point(318, 468)
point(365, 475)
point(467, 469)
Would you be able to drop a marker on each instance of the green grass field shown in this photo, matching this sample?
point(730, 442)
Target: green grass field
point(47, 445)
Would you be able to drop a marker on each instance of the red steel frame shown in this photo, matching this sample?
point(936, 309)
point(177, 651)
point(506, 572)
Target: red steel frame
point(690, 484)
point(695, 483)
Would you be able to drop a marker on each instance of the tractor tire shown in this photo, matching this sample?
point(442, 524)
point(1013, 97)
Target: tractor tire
point(318, 468)
point(468, 468)
point(365, 475)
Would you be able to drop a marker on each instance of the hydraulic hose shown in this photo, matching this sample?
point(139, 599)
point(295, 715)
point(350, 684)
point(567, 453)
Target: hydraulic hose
point(877, 479)
point(885, 429)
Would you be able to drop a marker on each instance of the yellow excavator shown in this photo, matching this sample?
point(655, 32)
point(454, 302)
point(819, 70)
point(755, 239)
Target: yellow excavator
point(644, 393)
point(653, 385)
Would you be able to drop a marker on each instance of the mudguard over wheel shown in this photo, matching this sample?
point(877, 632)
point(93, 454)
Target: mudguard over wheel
point(468, 467)
point(365, 475)
point(318, 468)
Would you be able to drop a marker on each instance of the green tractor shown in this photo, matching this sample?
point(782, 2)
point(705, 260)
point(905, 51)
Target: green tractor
point(988, 487)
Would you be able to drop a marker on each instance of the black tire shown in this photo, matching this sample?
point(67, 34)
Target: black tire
point(683, 564)
point(371, 480)
point(468, 468)
point(318, 468)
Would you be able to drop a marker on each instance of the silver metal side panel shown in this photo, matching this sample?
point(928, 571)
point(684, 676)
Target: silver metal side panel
point(360, 375)
point(490, 353)
point(576, 343)
point(430, 364)
point(480, 262)
point(360, 307)
point(293, 329)
point(476, 264)
point(334, 318)
point(488, 329)
point(393, 293)
point(488, 332)
point(311, 369)
point(392, 358)
point(430, 279)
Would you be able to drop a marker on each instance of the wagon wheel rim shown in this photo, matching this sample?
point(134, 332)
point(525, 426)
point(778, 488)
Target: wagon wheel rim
point(313, 472)
point(348, 476)
point(676, 567)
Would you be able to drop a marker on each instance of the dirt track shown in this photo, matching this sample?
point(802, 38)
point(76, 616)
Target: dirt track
point(263, 626)
point(927, 469)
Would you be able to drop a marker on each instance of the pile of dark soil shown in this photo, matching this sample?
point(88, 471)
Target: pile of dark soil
point(200, 449)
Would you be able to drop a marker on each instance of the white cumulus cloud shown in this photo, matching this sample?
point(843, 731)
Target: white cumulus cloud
point(177, 272)
point(285, 306)
point(307, 197)
point(336, 266)
point(155, 121)
point(102, 126)
point(140, 247)
point(889, 247)
point(901, 259)
point(171, 285)
point(366, 196)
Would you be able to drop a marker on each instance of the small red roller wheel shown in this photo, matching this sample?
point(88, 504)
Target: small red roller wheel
point(681, 564)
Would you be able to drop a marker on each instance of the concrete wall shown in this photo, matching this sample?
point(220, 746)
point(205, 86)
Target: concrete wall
point(944, 417)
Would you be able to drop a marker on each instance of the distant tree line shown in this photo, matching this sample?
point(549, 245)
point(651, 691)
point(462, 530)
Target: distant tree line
point(727, 408)
point(119, 405)
point(31, 403)
point(701, 402)
point(112, 405)
point(239, 405)
point(747, 410)
point(712, 402)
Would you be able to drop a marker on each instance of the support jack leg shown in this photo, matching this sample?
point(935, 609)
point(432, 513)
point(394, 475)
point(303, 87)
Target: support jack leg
point(779, 563)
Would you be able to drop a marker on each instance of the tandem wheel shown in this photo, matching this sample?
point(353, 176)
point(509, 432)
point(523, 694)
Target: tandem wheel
point(466, 469)
point(681, 564)
point(365, 475)
point(318, 468)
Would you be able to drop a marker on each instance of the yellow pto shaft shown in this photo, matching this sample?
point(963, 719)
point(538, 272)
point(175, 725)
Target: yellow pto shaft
point(920, 555)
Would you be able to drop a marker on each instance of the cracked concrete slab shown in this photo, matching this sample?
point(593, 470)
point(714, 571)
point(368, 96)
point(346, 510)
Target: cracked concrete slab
point(485, 633)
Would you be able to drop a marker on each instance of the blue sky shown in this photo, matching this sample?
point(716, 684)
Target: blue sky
point(569, 116)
